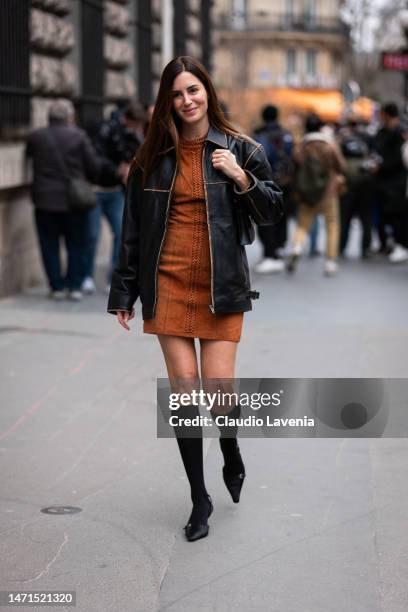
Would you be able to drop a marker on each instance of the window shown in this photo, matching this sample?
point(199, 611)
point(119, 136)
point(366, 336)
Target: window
point(310, 12)
point(239, 15)
point(311, 56)
point(289, 13)
point(290, 62)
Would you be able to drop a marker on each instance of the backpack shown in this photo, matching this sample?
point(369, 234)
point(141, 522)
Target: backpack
point(312, 179)
point(278, 146)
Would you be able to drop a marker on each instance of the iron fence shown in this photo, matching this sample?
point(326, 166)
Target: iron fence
point(15, 89)
point(92, 98)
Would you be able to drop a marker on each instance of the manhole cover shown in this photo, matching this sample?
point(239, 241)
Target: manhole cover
point(61, 510)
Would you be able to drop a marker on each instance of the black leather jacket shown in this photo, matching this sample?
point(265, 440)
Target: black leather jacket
point(145, 220)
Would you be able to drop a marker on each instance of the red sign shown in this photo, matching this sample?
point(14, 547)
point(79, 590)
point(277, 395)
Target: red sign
point(395, 61)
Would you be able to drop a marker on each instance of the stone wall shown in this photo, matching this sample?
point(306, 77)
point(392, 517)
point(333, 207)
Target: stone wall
point(52, 38)
point(20, 265)
point(19, 258)
point(118, 52)
point(52, 71)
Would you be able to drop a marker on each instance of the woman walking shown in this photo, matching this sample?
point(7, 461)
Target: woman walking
point(193, 188)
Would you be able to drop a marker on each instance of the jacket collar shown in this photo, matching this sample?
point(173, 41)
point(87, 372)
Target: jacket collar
point(218, 137)
point(214, 135)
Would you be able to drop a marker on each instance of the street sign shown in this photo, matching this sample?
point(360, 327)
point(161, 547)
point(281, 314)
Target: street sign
point(395, 61)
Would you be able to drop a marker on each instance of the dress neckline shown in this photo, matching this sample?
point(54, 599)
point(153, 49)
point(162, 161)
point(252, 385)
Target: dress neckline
point(192, 142)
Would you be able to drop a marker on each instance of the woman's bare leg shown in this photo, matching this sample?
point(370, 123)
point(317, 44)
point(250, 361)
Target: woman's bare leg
point(218, 366)
point(218, 358)
point(180, 357)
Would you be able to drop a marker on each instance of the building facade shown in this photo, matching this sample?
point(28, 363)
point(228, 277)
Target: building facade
point(93, 52)
point(285, 43)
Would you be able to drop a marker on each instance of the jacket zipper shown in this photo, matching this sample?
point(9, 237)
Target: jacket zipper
point(161, 244)
point(211, 306)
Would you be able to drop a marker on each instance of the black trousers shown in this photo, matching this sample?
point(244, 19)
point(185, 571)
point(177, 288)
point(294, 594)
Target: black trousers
point(398, 221)
point(393, 210)
point(72, 227)
point(357, 202)
point(274, 237)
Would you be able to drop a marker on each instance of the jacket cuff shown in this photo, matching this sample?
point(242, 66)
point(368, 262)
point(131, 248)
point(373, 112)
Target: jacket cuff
point(117, 302)
point(253, 180)
point(114, 311)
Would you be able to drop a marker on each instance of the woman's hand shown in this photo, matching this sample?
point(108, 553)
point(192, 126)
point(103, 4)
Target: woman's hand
point(224, 160)
point(124, 316)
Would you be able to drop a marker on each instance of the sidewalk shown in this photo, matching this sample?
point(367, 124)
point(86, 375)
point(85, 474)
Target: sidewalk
point(322, 523)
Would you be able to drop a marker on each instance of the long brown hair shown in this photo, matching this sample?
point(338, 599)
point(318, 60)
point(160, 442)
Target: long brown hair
point(165, 125)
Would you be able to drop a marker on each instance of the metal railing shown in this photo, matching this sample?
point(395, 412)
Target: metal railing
point(280, 22)
point(15, 89)
point(92, 99)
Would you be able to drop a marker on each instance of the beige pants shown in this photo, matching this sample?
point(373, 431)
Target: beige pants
point(329, 208)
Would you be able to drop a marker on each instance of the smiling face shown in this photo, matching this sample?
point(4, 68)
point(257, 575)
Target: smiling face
point(190, 99)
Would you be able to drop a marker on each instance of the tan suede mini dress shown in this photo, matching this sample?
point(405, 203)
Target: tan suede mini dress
point(184, 274)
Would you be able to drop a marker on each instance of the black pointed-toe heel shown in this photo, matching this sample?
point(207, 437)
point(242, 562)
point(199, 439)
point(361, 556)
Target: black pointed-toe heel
point(195, 531)
point(233, 483)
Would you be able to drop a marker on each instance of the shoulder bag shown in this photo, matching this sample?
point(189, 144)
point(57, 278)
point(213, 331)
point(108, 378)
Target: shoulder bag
point(81, 196)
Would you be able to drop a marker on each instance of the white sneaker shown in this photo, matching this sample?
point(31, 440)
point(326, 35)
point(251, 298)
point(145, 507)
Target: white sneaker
point(330, 267)
point(57, 295)
point(88, 286)
point(269, 265)
point(398, 255)
point(75, 296)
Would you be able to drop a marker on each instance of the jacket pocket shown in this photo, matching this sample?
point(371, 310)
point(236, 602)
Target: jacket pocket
point(245, 227)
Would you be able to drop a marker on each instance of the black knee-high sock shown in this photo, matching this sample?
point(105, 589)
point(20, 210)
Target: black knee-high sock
point(229, 444)
point(191, 450)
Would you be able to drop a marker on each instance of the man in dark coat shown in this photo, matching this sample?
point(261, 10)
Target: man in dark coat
point(391, 180)
point(278, 145)
point(53, 217)
point(358, 198)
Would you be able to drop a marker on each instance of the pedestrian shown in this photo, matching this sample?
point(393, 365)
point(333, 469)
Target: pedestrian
point(318, 181)
point(278, 145)
point(182, 250)
point(55, 150)
point(117, 141)
point(390, 182)
point(357, 201)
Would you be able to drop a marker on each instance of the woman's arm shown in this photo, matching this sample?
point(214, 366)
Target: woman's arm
point(253, 183)
point(125, 279)
point(263, 199)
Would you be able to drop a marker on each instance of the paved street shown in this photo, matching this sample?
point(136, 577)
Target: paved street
point(322, 523)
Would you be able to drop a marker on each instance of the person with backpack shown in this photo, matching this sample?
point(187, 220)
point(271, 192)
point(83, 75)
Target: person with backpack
point(278, 146)
point(318, 183)
point(116, 141)
point(358, 199)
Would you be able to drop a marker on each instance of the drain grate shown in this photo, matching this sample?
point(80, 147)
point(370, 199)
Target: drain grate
point(61, 510)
